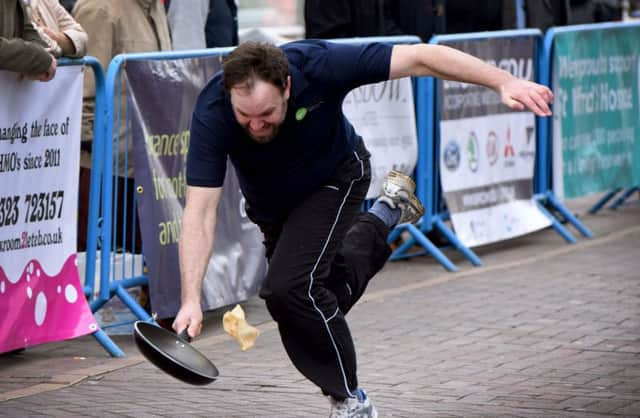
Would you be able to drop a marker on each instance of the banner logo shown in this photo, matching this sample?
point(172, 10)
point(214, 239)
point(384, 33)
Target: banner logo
point(472, 151)
point(451, 156)
point(529, 153)
point(509, 153)
point(492, 148)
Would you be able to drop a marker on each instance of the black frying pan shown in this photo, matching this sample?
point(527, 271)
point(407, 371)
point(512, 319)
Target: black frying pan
point(173, 354)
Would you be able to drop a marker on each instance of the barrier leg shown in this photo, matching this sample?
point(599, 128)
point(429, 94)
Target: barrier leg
point(620, 200)
point(417, 237)
point(108, 343)
point(401, 251)
point(394, 234)
point(97, 304)
point(431, 249)
point(603, 201)
point(466, 252)
point(564, 232)
point(568, 215)
point(132, 304)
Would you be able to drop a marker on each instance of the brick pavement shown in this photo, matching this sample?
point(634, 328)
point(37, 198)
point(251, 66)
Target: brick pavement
point(544, 329)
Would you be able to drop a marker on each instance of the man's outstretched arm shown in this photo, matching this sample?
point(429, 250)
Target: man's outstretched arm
point(450, 64)
point(195, 248)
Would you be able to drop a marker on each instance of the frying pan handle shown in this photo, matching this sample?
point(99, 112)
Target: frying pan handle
point(185, 335)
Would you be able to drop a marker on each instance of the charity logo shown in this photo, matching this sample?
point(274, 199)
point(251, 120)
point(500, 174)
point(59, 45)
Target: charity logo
point(302, 112)
point(492, 148)
point(472, 151)
point(509, 152)
point(451, 155)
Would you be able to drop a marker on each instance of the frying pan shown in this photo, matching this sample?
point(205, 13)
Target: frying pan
point(173, 354)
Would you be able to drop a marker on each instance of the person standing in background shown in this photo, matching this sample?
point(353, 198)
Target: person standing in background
point(355, 18)
point(63, 35)
point(324, 19)
point(423, 18)
point(634, 8)
point(68, 4)
point(115, 27)
point(21, 48)
point(547, 13)
point(480, 15)
point(203, 23)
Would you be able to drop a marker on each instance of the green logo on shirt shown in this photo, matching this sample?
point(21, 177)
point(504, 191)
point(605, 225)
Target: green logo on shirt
point(301, 113)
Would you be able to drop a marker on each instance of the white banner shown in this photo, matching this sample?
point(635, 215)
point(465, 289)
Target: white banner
point(486, 166)
point(487, 151)
point(40, 294)
point(384, 115)
point(39, 164)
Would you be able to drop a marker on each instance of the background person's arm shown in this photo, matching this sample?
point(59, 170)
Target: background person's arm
point(195, 248)
point(450, 64)
point(22, 56)
point(72, 37)
point(26, 54)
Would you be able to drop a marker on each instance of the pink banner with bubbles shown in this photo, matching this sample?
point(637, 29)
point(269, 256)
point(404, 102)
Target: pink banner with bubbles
point(41, 299)
point(36, 308)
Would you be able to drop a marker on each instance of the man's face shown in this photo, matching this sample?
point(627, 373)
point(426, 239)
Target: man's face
point(260, 110)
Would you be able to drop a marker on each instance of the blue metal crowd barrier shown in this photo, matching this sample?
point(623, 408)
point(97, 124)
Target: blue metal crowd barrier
point(428, 114)
point(544, 187)
point(545, 196)
point(94, 193)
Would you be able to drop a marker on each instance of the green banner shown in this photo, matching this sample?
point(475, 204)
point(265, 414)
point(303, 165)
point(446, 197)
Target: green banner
point(597, 113)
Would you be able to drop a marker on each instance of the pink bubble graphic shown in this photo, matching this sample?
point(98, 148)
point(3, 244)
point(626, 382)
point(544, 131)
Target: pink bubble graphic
point(36, 308)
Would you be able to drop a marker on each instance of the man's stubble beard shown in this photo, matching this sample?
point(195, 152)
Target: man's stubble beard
point(264, 139)
point(276, 129)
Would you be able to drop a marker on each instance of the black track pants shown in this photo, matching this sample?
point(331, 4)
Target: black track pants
point(321, 260)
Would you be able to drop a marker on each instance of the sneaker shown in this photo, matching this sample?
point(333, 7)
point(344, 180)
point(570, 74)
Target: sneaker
point(358, 407)
point(398, 192)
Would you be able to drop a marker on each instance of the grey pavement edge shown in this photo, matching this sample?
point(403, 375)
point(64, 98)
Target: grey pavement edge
point(544, 328)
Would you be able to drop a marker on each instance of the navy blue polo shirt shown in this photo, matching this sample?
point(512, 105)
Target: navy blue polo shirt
point(275, 176)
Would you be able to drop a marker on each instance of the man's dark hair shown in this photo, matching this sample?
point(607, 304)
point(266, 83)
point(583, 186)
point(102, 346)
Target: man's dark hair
point(252, 61)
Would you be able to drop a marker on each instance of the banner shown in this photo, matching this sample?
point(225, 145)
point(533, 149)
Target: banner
point(41, 299)
point(487, 151)
point(596, 122)
point(384, 115)
point(163, 94)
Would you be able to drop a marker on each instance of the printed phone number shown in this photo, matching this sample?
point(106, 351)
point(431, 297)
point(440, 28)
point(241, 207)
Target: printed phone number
point(37, 207)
